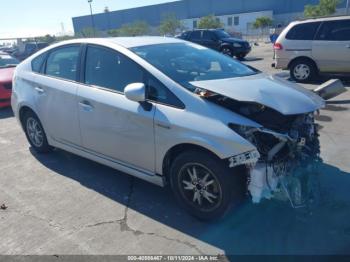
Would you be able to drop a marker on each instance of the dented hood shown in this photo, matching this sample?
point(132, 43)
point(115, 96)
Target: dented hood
point(274, 92)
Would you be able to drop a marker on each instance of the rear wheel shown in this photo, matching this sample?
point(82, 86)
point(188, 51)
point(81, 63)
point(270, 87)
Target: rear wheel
point(35, 133)
point(203, 185)
point(303, 70)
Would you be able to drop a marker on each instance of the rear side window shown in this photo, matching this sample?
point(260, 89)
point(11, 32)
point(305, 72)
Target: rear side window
point(335, 31)
point(208, 35)
point(303, 31)
point(37, 63)
point(196, 34)
point(63, 63)
point(110, 69)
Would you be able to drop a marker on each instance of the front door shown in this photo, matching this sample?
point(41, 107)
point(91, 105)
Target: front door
point(111, 125)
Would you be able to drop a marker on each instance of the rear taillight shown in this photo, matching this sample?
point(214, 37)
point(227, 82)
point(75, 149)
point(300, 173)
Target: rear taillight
point(277, 46)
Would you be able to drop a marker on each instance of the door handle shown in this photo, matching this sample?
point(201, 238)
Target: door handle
point(39, 90)
point(86, 106)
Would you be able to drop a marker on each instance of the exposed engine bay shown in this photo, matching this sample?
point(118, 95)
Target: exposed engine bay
point(287, 145)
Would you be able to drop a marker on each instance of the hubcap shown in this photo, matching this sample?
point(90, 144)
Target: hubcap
point(226, 51)
point(35, 132)
point(302, 71)
point(200, 187)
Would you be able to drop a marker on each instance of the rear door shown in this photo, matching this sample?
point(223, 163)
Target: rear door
point(210, 40)
point(196, 37)
point(56, 87)
point(331, 48)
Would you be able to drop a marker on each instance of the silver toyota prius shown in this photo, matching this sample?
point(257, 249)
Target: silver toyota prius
point(172, 113)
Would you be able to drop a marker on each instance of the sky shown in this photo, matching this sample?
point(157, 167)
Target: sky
point(26, 18)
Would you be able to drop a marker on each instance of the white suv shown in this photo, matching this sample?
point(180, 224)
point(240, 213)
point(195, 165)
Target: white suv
point(314, 46)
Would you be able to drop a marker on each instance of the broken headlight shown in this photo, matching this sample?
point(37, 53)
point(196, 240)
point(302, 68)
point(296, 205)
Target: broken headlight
point(244, 131)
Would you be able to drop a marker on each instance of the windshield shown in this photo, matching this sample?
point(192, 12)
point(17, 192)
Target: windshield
point(8, 61)
point(222, 34)
point(186, 63)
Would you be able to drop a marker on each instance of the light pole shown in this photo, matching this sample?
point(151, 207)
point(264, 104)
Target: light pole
point(92, 16)
point(347, 7)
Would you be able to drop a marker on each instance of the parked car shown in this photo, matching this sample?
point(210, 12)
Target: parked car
point(7, 67)
point(29, 49)
point(219, 40)
point(169, 112)
point(315, 46)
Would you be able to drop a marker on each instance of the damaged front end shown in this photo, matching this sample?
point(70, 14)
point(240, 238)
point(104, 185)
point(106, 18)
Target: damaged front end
point(287, 147)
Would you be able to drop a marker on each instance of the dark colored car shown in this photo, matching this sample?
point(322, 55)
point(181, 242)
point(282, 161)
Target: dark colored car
point(30, 49)
point(7, 68)
point(219, 40)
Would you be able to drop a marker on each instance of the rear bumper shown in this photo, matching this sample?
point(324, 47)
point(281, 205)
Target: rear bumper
point(281, 63)
point(5, 102)
point(5, 98)
point(242, 50)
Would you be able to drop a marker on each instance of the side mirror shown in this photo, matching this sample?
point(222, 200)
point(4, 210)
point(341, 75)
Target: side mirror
point(136, 92)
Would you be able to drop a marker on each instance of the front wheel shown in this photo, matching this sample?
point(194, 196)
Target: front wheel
point(203, 185)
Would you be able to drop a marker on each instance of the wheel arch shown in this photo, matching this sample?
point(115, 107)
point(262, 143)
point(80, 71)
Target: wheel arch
point(173, 152)
point(223, 45)
point(303, 58)
point(22, 111)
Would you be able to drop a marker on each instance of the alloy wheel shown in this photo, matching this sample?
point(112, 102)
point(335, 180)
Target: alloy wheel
point(200, 187)
point(35, 132)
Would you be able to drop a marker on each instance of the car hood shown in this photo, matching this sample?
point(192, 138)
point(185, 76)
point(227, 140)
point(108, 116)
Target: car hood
point(6, 74)
point(274, 92)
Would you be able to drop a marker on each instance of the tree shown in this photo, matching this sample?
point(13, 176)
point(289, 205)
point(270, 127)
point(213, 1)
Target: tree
point(47, 39)
point(262, 22)
point(113, 32)
point(88, 32)
point(209, 22)
point(134, 29)
point(169, 25)
point(324, 8)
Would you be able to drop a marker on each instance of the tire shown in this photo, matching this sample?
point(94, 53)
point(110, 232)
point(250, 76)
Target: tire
point(303, 70)
point(240, 56)
point(227, 51)
point(219, 184)
point(35, 133)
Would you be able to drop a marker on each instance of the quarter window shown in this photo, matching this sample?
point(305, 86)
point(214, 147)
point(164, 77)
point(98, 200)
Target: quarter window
point(37, 63)
point(157, 92)
point(305, 31)
point(110, 69)
point(335, 31)
point(63, 63)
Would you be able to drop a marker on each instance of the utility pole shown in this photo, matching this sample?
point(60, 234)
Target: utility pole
point(92, 17)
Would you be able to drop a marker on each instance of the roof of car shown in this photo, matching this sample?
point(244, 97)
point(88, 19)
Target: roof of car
point(128, 42)
point(321, 19)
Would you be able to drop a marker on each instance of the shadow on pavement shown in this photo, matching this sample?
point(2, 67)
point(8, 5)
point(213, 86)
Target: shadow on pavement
point(6, 112)
point(271, 227)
